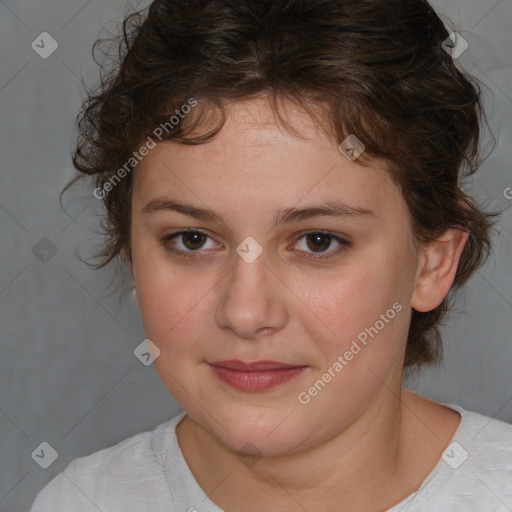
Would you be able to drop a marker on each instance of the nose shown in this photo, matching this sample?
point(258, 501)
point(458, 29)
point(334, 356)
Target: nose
point(253, 300)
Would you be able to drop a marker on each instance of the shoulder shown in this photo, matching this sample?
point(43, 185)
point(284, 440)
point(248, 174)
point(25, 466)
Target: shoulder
point(488, 444)
point(123, 477)
point(475, 470)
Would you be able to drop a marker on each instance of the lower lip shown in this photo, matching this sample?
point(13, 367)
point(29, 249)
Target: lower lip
point(257, 380)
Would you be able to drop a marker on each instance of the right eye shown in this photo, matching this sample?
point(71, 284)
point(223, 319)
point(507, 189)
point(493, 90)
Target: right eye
point(191, 241)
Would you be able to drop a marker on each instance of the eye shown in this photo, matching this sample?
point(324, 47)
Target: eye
point(322, 240)
point(193, 240)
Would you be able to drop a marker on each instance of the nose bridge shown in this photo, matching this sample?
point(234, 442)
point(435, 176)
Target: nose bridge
point(248, 283)
point(250, 300)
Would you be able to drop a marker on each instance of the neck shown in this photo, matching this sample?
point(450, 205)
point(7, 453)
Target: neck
point(357, 467)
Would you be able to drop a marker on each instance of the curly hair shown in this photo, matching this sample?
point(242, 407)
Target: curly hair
point(377, 66)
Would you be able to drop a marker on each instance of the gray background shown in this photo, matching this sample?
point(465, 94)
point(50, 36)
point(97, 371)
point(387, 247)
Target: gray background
point(68, 373)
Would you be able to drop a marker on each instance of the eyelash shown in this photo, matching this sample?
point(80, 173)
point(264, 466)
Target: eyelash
point(345, 244)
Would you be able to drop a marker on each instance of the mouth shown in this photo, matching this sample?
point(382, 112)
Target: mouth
point(255, 376)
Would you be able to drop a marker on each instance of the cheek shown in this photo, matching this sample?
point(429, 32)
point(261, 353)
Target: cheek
point(177, 303)
point(168, 299)
point(172, 308)
point(173, 313)
point(366, 313)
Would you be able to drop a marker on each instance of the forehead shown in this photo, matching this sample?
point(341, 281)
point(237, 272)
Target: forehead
point(254, 158)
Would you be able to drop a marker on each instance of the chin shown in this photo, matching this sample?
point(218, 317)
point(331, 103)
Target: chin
point(257, 432)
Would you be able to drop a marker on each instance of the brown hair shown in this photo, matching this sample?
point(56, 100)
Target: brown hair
point(377, 65)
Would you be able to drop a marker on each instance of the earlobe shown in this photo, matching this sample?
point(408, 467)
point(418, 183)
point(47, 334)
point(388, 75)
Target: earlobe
point(437, 268)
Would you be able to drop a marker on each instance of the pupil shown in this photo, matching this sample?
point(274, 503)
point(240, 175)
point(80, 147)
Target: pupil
point(316, 237)
point(198, 243)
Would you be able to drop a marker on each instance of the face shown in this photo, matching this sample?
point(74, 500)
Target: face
point(330, 293)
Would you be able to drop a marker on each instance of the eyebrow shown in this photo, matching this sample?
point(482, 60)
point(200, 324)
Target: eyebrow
point(287, 215)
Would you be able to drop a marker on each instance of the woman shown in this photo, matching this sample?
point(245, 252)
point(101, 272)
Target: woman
point(283, 182)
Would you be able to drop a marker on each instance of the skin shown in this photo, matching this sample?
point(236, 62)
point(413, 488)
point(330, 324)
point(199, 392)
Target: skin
point(362, 443)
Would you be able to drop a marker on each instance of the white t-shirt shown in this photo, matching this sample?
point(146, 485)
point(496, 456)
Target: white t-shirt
point(148, 473)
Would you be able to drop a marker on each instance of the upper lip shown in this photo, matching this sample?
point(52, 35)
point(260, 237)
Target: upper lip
point(234, 364)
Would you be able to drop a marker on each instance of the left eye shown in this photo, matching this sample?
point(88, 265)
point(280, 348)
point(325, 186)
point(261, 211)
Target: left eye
point(322, 240)
point(193, 240)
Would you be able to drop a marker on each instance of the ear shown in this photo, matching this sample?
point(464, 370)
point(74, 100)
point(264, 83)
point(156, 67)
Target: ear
point(436, 269)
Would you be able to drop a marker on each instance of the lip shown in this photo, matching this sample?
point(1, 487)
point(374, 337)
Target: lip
point(235, 364)
point(256, 376)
